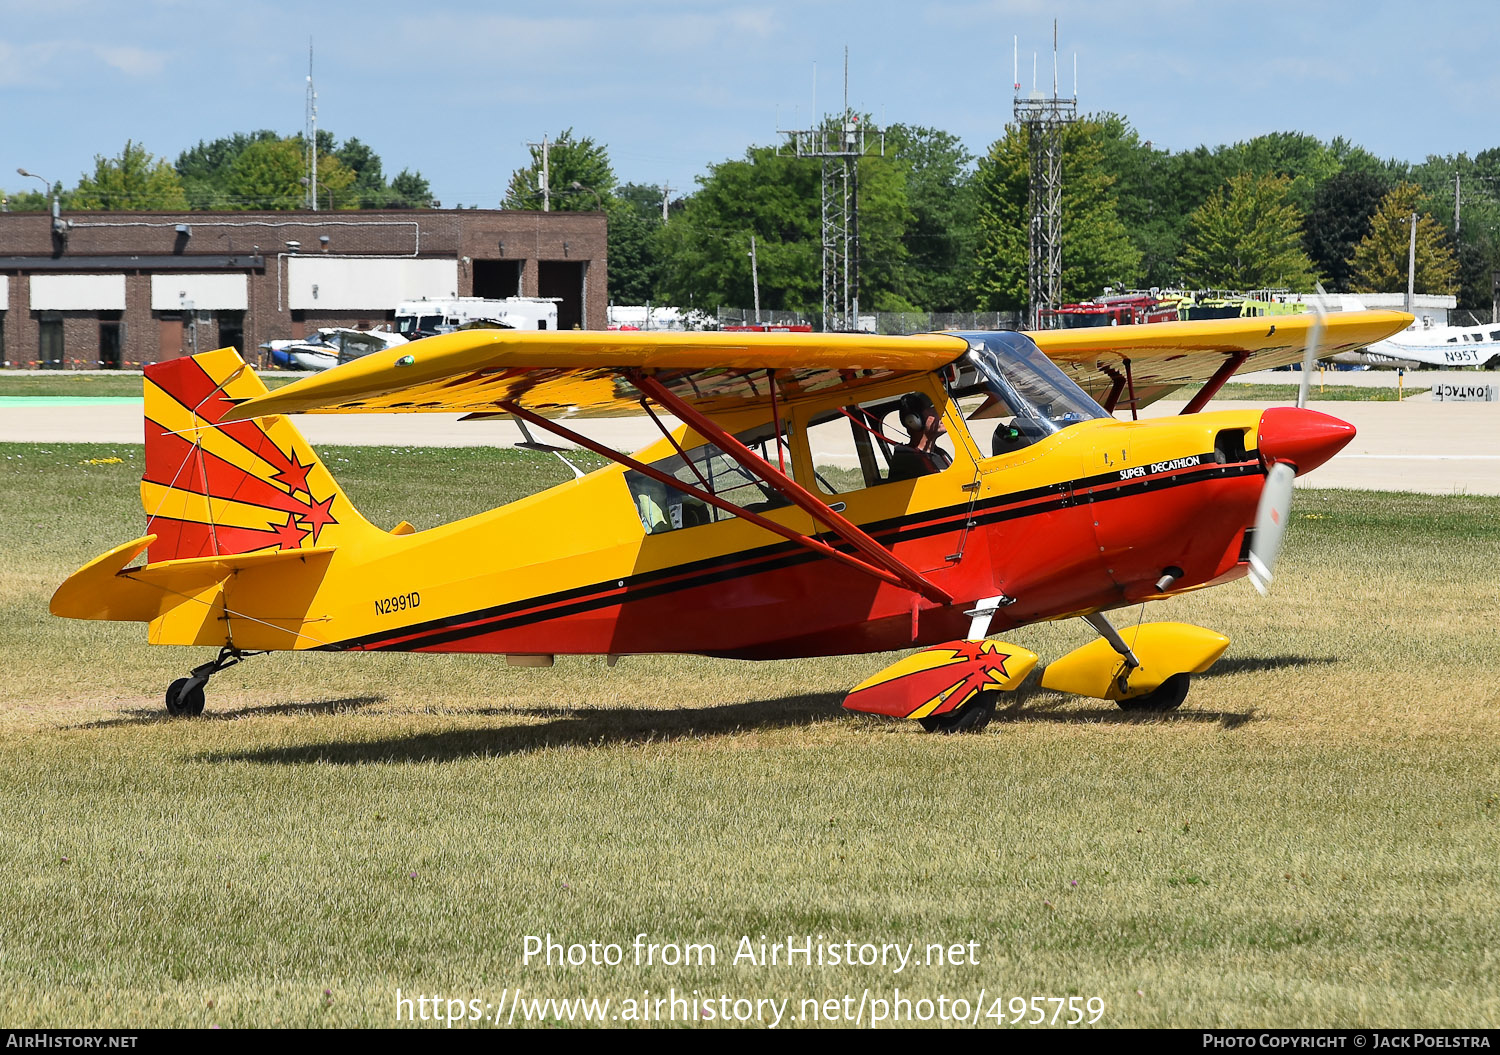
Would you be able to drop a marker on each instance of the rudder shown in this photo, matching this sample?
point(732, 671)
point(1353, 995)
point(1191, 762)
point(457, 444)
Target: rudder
point(214, 488)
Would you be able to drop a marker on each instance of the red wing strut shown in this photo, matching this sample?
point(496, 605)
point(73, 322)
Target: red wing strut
point(791, 534)
point(794, 492)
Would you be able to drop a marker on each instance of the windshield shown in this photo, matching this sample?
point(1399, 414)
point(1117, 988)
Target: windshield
point(411, 325)
point(1025, 389)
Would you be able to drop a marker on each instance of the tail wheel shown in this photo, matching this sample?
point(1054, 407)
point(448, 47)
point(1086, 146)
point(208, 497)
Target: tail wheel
point(185, 697)
point(970, 718)
point(1167, 696)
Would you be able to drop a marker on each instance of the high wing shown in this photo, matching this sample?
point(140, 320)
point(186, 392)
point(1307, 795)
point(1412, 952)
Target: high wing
point(1115, 363)
point(590, 374)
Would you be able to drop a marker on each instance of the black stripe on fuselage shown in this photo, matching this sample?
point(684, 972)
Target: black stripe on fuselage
point(778, 556)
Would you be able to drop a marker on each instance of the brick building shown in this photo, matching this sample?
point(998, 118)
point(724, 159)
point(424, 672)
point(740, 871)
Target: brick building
point(122, 289)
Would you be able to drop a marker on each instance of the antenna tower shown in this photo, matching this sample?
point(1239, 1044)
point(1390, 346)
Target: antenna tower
point(312, 134)
point(839, 143)
point(1043, 118)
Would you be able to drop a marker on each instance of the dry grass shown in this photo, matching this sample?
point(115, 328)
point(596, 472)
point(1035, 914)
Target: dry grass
point(1313, 840)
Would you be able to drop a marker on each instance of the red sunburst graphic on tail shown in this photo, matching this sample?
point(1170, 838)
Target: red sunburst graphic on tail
point(214, 488)
point(941, 678)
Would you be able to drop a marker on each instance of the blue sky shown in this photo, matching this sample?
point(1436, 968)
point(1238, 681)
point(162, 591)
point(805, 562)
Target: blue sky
point(457, 89)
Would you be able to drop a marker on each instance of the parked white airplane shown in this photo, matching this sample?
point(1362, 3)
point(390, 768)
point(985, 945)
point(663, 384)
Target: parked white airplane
point(330, 346)
point(1423, 344)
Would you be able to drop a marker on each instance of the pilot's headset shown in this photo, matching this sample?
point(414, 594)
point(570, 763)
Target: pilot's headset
point(914, 408)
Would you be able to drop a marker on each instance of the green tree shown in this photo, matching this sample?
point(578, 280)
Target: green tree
point(940, 237)
point(1247, 236)
point(1379, 261)
point(635, 227)
point(352, 173)
point(26, 200)
point(1340, 218)
point(369, 187)
point(570, 161)
point(1146, 197)
point(777, 197)
point(205, 167)
point(1096, 248)
point(269, 174)
point(705, 248)
point(134, 181)
point(1475, 239)
point(409, 190)
point(1303, 160)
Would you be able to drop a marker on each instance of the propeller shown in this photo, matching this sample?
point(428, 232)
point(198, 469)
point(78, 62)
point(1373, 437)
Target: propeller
point(1270, 524)
point(1314, 339)
point(1276, 495)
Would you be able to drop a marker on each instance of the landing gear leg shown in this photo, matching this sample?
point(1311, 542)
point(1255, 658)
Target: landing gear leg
point(1107, 631)
point(1167, 696)
point(185, 695)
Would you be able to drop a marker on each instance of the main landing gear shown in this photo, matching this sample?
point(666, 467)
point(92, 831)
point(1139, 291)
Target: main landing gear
point(185, 695)
point(970, 718)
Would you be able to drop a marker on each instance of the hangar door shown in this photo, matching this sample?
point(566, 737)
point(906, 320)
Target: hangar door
point(563, 279)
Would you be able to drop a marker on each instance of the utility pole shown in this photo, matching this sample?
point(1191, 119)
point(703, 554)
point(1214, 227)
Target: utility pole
point(546, 176)
point(1457, 182)
point(1411, 265)
point(755, 278)
point(666, 196)
point(1043, 119)
point(839, 148)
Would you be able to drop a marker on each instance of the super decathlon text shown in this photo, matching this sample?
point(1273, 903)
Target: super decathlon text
point(798, 950)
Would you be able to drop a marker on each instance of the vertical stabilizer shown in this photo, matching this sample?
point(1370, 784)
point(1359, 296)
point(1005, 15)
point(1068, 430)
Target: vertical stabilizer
point(217, 489)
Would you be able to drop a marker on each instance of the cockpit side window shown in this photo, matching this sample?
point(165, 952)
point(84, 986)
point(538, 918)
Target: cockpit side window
point(663, 508)
point(880, 441)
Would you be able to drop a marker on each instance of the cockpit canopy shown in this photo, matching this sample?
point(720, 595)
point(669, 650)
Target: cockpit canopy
point(1025, 392)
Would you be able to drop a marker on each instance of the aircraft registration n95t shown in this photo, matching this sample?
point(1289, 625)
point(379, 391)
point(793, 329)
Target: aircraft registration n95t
point(821, 494)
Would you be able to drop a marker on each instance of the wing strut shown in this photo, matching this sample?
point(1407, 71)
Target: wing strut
point(794, 492)
point(816, 545)
point(1213, 384)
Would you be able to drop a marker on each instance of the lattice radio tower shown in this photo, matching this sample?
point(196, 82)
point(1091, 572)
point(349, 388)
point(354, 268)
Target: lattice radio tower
point(1043, 119)
point(839, 144)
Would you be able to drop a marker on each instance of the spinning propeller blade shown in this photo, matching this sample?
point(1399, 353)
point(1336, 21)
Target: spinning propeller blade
point(1314, 339)
point(1276, 496)
point(1270, 524)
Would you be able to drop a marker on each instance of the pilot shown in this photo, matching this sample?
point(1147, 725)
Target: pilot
point(920, 455)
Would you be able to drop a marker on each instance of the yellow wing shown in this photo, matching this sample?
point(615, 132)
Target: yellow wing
point(1167, 355)
point(586, 373)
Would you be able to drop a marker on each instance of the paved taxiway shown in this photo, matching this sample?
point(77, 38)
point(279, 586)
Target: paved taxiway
point(1416, 445)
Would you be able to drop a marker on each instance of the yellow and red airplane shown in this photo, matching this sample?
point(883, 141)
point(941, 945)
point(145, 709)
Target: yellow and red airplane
point(819, 494)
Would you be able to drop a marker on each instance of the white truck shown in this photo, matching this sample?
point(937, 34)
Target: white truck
point(423, 318)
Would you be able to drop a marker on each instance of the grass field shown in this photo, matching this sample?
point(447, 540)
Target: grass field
point(1313, 840)
point(1288, 393)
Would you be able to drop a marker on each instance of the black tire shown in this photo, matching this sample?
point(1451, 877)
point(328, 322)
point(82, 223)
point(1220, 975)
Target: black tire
point(1167, 696)
point(970, 718)
point(185, 697)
